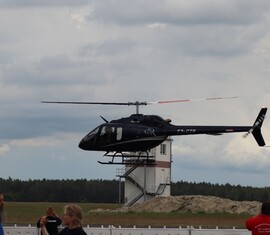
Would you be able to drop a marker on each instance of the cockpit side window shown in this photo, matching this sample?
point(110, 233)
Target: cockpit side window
point(107, 135)
point(119, 133)
point(107, 130)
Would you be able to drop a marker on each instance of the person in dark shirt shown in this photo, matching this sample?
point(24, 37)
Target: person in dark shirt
point(72, 218)
point(52, 221)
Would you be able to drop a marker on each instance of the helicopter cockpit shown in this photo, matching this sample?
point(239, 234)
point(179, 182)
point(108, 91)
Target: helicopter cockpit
point(100, 136)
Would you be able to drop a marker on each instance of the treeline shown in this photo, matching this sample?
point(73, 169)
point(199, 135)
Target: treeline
point(107, 191)
point(81, 190)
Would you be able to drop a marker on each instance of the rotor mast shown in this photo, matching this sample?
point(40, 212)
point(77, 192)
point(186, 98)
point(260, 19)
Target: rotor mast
point(137, 104)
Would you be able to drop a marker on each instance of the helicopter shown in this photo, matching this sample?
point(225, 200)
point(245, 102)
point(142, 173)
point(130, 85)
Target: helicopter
point(140, 133)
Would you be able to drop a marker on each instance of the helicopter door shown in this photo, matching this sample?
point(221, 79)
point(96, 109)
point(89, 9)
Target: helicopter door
point(107, 135)
point(119, 132)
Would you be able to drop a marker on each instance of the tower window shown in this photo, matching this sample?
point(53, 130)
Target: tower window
point(163, 149)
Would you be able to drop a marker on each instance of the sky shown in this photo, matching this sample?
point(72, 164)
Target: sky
point(126, 50)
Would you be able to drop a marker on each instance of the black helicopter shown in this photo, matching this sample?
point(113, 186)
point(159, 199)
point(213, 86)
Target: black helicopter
point(140, 133)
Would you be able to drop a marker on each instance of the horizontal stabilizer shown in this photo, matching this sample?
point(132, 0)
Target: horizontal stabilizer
point(258, 136)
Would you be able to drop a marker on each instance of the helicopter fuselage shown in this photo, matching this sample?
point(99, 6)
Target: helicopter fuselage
point(143, 132)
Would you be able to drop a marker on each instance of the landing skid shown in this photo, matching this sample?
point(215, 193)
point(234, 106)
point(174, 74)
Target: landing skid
point(129, 158)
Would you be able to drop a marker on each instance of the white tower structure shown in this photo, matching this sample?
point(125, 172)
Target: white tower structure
point(147, 179)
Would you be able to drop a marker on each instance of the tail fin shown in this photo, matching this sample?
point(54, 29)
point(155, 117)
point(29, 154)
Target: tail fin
point(256, 129)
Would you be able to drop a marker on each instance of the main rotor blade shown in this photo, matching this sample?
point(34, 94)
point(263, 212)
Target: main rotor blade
point(191, 100)
point(137, 103)
point(79, 102)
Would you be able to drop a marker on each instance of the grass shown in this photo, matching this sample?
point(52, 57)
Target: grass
point(25, 213)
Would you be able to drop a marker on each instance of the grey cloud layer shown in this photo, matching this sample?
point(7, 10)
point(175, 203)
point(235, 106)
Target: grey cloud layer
point(133, 50)
point(41, 3)
point(199, 12)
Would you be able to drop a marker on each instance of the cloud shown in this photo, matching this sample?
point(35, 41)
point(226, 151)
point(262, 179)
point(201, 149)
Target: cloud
point(40, 3)
point(199, 12)
point(222, 153)
point(112, 47)
point(58, 139)
point(246, 154)
point(123, 51)
point(156, 25)
point(55, 62)
point(4, 149)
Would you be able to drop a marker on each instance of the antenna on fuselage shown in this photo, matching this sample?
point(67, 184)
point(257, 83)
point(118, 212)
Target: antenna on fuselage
point(105, 120)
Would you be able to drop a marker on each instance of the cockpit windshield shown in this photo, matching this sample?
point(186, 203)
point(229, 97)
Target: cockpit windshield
point(103, 135)
point(91, 134)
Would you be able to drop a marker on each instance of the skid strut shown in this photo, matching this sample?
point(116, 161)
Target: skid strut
point(128, 158)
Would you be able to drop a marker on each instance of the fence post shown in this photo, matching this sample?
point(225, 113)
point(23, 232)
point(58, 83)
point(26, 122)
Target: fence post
point(189, 230)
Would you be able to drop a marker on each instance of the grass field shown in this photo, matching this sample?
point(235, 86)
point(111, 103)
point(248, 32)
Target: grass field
point(25, 213)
